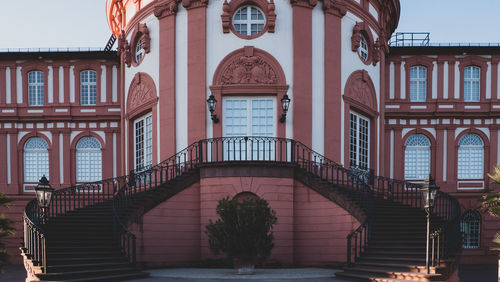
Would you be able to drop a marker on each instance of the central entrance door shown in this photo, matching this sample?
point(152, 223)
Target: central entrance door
point(249, 117)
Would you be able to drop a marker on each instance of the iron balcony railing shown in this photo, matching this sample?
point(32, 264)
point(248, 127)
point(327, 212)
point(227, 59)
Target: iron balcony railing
point(124, 191)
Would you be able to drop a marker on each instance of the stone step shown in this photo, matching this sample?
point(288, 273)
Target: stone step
point(383, 273)
point(89, 273)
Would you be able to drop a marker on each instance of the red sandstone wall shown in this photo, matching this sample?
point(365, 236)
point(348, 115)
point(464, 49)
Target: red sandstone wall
point(311, 230)
point(169, 234)
point(15, 211)
point(320, 228)
point(277, 191)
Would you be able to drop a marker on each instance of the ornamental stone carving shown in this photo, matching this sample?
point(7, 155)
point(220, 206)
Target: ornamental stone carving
point(166, 9)
point(141, 94)
point(191, 4)
point(249, 70)
point(356, 35)
point(359, 89)
point(304, 3)
point(124, 49)
point(334, 7)
point(143, 32)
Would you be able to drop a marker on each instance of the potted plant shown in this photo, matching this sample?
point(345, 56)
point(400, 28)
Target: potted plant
point(243, 232)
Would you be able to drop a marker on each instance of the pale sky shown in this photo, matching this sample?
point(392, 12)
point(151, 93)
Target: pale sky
point(82, 23)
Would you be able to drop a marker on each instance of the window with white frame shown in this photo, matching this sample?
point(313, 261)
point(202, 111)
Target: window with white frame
point(418, 83)
point(139, 51)
point(249, 20)
point(88, 87)
point(470, 157)
point(36, 160)
point(88, 160)
point(359, 141)
point(417, 157)
point(363, 49)
point(143, 143)
point(472, 77)
point(249, 116)
point(470, 226)
point(35, 88)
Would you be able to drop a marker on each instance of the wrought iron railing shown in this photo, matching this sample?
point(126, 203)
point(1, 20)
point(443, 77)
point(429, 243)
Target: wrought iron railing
point(128, 189)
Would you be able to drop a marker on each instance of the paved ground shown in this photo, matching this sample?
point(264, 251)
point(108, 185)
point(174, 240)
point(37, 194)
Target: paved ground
point(468, 273)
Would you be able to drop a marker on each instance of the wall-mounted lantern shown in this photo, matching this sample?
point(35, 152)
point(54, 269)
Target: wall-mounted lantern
point(212, 102)
point(285, 103)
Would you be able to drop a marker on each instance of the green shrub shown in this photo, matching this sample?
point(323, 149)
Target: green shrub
point(243, 230)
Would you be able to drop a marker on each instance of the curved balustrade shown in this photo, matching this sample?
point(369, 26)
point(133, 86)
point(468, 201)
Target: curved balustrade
point(361, 185)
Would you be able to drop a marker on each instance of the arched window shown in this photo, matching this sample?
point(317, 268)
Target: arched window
point(470, 226)
point(363, 49)
point(417, 157)
point(36, 159)
point(470, 157)
point(88, 160)
point(418, 83)
point(139, 51)
point(88, 87)
point(472, 77)
point(249, 20)
point(35, 88)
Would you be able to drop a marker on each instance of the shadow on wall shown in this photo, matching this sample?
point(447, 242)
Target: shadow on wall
point(478, 272)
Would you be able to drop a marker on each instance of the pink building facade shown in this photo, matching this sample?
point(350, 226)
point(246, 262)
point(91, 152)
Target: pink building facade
point(398, 112)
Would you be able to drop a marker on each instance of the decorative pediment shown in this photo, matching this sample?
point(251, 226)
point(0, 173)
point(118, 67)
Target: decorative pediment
point(141, 94)
point(360, 90)
point(249, 66)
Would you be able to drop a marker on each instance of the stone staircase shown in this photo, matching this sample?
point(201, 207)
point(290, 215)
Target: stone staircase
point(396, 249)
point(81, 247)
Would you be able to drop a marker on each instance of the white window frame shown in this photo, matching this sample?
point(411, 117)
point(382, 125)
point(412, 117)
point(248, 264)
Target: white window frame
point(139, 51)
point(85, 161)
point(147, 161)
point(419, 150)
point(363, 51)
point(39, 155)
point(261, 149)
point(464, 165)
point(418, 96)
point(358, 148)
point(249, 22)
point(469, 228)
point(36, 89)
point(91, 86)
point(471, 96)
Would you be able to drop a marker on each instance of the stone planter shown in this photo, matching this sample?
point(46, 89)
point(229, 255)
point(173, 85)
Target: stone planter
point(243, 266)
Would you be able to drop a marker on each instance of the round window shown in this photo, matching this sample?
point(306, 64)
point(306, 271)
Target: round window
point(249, 20)
point(139, 51)
point(363, 49)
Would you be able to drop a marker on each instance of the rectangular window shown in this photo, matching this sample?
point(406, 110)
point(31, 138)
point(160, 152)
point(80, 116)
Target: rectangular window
point(359, 139)
point(88, 87)
point(249, 116)
point(418, 83)
point(143, 143)
point(35, 88)
point(472, 79)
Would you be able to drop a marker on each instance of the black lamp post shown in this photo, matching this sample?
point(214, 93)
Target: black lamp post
point(285, 103)
point(44, 195)
point(429, 192)
point(212, 102)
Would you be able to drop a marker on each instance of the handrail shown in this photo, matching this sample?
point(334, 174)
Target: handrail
point(126, 190)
